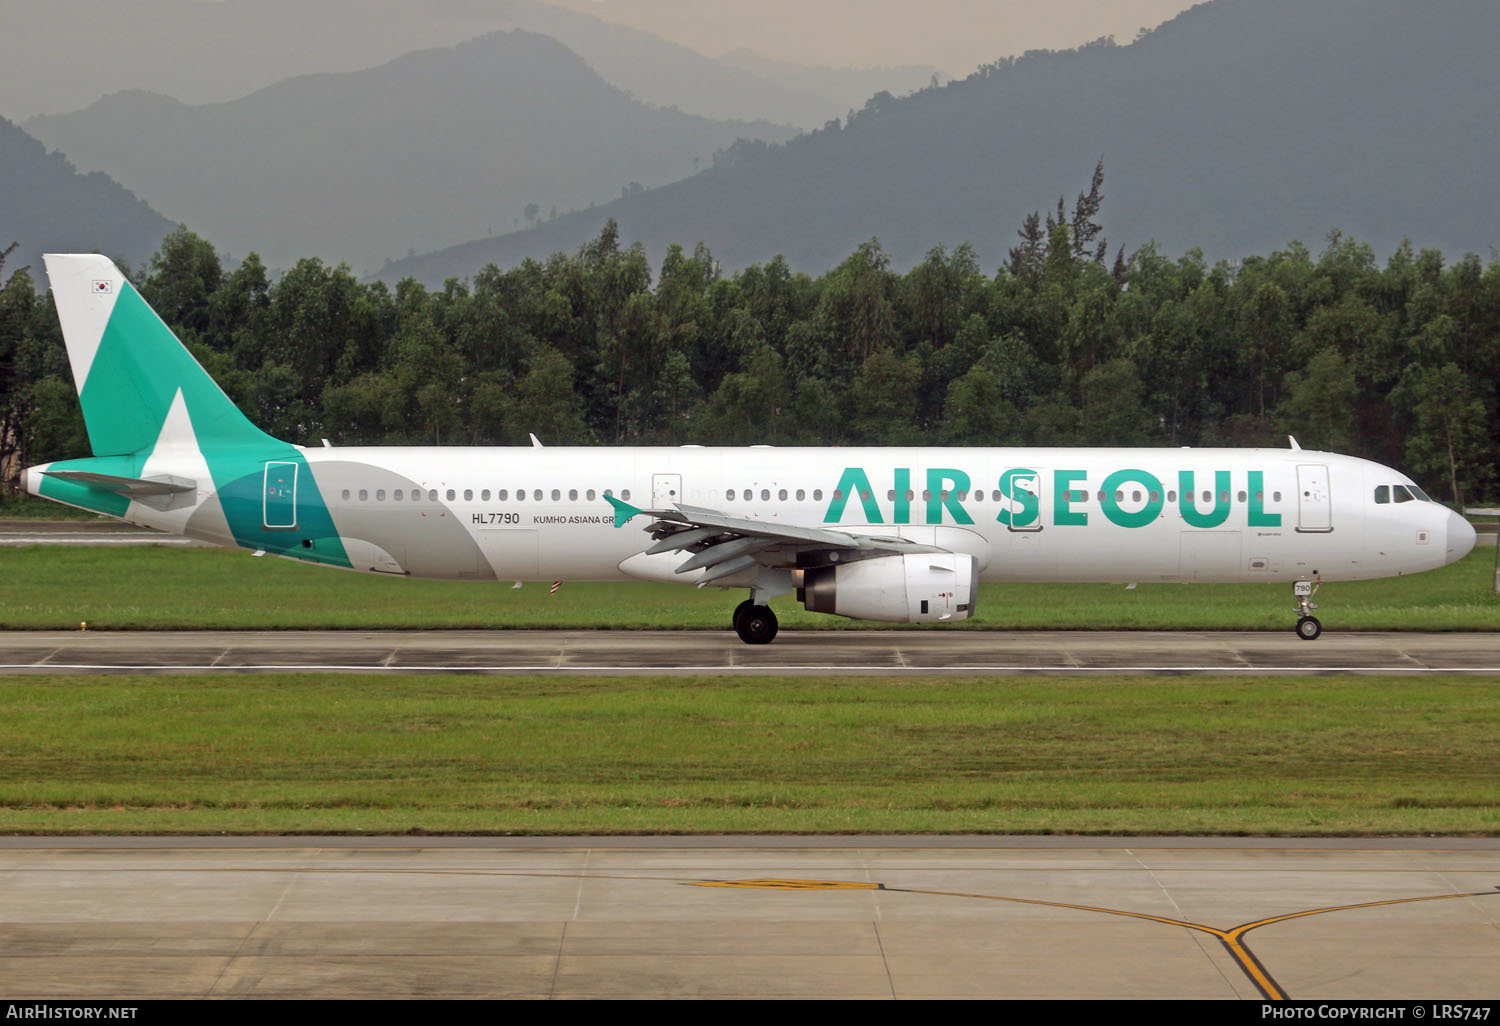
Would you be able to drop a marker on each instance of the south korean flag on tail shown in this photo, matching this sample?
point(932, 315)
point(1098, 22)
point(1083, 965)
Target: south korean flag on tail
point(102, 287)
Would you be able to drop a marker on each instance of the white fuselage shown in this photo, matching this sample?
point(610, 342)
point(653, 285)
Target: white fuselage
point(1036, 514)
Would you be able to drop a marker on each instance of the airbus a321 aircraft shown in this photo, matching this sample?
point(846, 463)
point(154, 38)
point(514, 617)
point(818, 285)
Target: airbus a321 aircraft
point(901, 535)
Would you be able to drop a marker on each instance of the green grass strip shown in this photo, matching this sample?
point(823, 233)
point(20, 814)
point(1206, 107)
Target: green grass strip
point(379, 754)
point(48, 587)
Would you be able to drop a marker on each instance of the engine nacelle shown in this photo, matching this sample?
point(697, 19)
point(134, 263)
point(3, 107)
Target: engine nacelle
point(898, 589)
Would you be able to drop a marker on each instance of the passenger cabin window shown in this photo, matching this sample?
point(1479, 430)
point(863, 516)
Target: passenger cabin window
point(801, 495)
point(838, 494)
point(502, 494)
point(556, 494)
point(572, 494)
point(346, 493)
point(589, 495)
point(363, 495)
point(765, 495)
point(781, 495)
point(451, 496)
point(398, 495)
point(817, 495)
point(536, 493)
point(468, 495)
point(380, 495)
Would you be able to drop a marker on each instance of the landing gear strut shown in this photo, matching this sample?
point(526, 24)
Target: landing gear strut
point(1308, 627)
point(756, 625)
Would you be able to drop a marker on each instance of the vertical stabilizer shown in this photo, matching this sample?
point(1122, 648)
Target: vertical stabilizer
point(170, 449)
point(129, 367)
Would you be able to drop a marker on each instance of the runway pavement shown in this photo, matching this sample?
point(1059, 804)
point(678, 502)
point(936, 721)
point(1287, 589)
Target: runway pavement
point(87, 532)
point(140, 918)
point(933, 652)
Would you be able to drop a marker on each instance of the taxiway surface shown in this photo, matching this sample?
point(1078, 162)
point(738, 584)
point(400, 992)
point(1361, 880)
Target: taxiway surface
point(932, 652)
point(761, 917)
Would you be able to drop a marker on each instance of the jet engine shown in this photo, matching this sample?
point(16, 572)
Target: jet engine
point(900, 589)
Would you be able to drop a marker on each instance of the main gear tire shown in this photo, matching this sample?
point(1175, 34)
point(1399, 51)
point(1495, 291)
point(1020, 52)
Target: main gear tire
point(739, 613)
point(757, 625)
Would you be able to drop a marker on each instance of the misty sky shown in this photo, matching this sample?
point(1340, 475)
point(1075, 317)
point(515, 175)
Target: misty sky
point(53, 59)
point(954, 35)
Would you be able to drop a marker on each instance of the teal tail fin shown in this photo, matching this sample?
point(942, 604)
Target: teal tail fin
point(130, 369)
point(170, 448)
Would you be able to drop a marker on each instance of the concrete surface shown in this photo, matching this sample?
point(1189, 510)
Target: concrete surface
point(760, 918)
point(924, 653)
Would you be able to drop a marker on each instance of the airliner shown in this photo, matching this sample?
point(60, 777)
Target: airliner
point(894, 534)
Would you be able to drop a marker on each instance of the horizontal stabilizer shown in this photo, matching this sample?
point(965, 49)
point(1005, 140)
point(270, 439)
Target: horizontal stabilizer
point(161, 493)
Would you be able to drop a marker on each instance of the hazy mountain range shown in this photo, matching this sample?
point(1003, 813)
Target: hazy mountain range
point(47, 206)
point(428, 149)
point(54, 56)
point(1236, 127)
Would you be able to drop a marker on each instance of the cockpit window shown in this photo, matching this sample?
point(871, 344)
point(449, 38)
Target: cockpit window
point(1383, 494)
point(1419, 493)
point(1402, 495)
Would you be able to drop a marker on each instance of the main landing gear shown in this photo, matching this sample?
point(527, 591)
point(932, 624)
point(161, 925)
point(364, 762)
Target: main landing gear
point(1308, 627)
point(756, 625)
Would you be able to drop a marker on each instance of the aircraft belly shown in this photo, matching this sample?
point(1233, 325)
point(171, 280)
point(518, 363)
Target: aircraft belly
point(557, 552)
point(512, 552)
point(1209, 556)
point(1022, 556)
point(372, 558)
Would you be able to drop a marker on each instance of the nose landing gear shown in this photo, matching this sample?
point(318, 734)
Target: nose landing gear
point(1308, 627)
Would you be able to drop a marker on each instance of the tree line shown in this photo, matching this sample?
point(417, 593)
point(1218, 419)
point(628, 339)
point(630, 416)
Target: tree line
point(1395, 362)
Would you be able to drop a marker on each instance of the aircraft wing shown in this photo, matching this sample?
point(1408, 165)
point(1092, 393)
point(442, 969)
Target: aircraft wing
point(722, 545)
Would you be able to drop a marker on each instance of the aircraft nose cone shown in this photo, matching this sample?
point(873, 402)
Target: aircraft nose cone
point(1460, 537)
